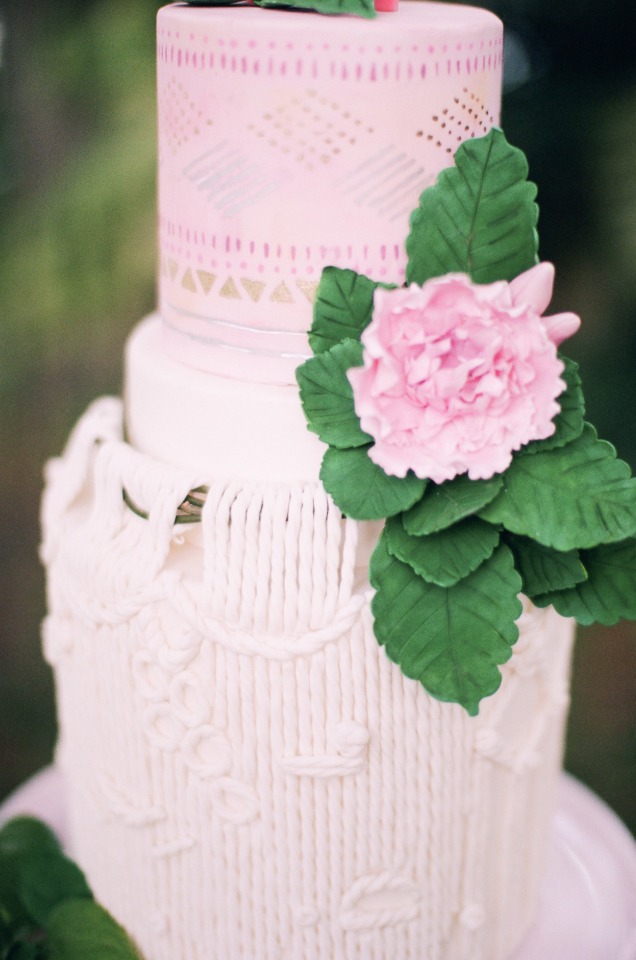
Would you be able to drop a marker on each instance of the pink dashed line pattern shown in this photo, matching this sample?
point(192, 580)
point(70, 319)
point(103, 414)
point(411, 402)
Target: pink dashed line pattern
point(180, 241)
point(297, 60)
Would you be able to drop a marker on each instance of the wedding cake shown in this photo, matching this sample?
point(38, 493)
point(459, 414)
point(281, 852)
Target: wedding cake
point(249, 775)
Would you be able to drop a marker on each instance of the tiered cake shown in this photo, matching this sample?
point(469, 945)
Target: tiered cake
point(249, 776)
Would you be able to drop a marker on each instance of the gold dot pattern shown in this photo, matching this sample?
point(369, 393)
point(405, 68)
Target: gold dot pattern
point(466, 118)
point(180, 117)
point(310, 130)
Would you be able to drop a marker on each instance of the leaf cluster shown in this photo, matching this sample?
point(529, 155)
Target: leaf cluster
point(360, 8)
point(47, 910)
point(559, 525)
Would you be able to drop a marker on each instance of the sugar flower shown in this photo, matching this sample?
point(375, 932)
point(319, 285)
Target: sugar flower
point(457, 376)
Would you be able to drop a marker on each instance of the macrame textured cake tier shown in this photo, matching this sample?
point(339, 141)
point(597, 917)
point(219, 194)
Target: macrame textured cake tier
point(249, 774)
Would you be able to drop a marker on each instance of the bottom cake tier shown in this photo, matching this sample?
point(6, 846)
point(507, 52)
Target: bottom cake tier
point(249, 776)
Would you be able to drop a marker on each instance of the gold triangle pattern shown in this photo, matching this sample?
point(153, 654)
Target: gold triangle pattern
point(254, 288)
point(229, 291)
point(202, 280)
point(309, 288)
point(206, 279)
point(187, 281)
point(281, 294)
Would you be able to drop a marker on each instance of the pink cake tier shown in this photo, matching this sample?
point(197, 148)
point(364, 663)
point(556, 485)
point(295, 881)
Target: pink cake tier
point(288, 142)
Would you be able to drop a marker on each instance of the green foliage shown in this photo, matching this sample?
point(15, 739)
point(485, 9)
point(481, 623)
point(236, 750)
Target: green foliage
point(362, 489)
point(46, 879)
point(446, 557)
point(543, 569)
point(453, 556)
point(343, 308)
point(480, 218)
point(574, 497)
point(447, 503)
point(81, 929)
point(47, 911)
point(450, 639)
point(360, 8)
point(327, 397)
point(25, 835)
point(608, 594)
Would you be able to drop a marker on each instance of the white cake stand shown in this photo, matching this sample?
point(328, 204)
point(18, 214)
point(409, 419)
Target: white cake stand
point(588, 898)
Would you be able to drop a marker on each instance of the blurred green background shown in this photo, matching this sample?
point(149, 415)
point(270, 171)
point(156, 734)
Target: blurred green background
point(77, 264)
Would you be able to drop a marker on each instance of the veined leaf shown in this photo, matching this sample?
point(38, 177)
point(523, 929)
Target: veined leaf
point(543, 569)
point(446, 557)
point(480, 218)
point(343, 308)
point(609, 592)
point(451, 639)
point(570, 421)
point(327, 397)
point(360, 8)
point(363, 490)
point(446, 503)
point(576, 496)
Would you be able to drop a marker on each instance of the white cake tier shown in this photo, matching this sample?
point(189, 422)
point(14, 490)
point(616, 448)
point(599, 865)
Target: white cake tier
point(218, 426)
point(289, 141)
point(250, 778)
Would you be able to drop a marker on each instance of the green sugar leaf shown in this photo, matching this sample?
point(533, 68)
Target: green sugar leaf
point(24, 951)
point(451, 639)
point(446, 557)
point(543, 569)
point(343, 308)
point(363, 490)
point(47, 879)
point(446, 503)
point(359, 8)
point(21, 839)
point(23, 835)
point(570, 421)
point(609, 592)
point(574, 497)
point(480, 217)
point(327, 397)
point(82, 930)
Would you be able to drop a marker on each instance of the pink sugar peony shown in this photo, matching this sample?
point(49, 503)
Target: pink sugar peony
point(457, 376)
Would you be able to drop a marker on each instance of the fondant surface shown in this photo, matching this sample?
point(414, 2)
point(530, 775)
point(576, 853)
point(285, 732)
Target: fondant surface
point(289, 141)
point(587, 909)
point(218, 425)
point(249, 776)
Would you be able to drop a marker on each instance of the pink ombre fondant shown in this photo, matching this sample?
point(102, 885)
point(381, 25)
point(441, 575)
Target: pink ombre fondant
point(285, 148)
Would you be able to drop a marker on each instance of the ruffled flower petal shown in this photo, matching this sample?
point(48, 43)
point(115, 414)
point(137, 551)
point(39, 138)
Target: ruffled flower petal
point(456, 376)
